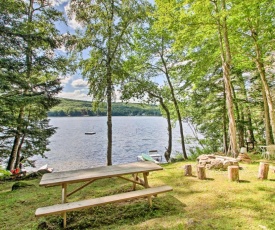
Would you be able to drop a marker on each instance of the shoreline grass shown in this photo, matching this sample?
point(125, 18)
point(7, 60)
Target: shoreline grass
point(214, 203)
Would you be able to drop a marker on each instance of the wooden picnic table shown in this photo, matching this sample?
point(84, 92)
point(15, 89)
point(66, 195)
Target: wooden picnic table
point(90, 175)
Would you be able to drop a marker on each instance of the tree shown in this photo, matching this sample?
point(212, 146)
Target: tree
point(152, 57)
point(253, 23)
point(140, 87)
point(200, 22)
point(106, 35)
point(30, 72)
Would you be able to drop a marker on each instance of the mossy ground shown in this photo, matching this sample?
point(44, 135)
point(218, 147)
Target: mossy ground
point(214, 203)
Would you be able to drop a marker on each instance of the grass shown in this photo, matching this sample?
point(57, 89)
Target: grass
point(214, 203)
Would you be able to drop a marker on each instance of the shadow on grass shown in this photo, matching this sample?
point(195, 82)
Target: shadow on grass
point(210, 179)
point(244, 181)
point(124, 213)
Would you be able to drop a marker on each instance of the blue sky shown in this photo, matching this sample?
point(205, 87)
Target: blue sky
point(74, 86)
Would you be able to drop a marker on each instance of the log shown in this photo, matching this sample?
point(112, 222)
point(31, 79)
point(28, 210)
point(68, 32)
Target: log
point(263, 170)
point(201, 172)
point(187, 170)
point(233, 173)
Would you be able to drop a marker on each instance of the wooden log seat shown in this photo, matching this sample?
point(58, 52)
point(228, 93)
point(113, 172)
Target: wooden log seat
point(187, 170)
point(263, 171)
point(233, 173)
point(78, 205)
point(201, 172)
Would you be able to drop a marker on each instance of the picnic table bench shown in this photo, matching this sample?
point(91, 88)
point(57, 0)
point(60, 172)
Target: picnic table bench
point(90, 175)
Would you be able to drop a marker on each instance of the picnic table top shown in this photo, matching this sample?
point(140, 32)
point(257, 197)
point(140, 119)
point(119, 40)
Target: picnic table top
point(74, 176)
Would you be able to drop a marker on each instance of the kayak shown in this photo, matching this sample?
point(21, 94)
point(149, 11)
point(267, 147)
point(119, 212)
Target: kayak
point(147, 157)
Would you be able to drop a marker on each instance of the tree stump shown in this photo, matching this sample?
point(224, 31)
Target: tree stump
point(233, 173)
point(187, 170)
point(263, 170)
point(201, 172)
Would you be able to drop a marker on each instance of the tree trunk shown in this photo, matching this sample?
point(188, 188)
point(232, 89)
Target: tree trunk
point(13, 155)
point(268, 133)
point(168, 151)
point(240, 120)
point(175, 104)
point(178, 115)
point(226, 61)
point(109, 117)
point(109, 87)
point(225, 143)
point(261, 70)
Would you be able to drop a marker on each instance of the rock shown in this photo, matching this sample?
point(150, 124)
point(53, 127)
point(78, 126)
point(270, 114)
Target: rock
point(243, 157)
point(20, 185)
point(212, 161)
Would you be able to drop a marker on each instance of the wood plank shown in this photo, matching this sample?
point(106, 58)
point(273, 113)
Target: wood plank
point(62, 208)
point(74, 176)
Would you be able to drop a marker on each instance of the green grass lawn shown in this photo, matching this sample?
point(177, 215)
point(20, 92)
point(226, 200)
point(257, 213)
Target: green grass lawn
point(214, 203)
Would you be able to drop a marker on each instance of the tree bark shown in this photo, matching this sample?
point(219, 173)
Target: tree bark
point(226, 61)
point(261, 69)
point(268, 135)
point(168, 151)
point(225, 143)
point(175, 104)
point(109, 88)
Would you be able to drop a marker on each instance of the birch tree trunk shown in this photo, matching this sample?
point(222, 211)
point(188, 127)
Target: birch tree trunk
point(268, 136)
point(266, 89)
point(226, 61)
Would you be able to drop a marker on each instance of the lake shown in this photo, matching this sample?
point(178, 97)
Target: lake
point(72, 149)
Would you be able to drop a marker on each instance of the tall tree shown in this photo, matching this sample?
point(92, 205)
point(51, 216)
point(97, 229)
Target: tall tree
point(30, 72)
point(253, 24)
point(141, 87)
point(106, 34)
point(194, 24)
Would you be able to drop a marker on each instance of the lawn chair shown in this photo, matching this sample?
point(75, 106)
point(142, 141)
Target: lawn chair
point(270, 152)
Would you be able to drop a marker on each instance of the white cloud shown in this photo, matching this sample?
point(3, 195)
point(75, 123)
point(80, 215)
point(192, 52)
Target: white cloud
point(76, 95)
point(79, 83)
point(71, 20)
point(58, 2)
point(65, 80)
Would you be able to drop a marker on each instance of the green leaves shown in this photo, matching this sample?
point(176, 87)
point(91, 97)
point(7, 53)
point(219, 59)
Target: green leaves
point(30, 70)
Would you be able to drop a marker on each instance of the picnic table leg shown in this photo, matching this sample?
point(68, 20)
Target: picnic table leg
point(64, 200)
point(135, 176)
point(146, 185)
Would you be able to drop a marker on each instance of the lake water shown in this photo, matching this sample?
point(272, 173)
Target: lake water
point(72, 149)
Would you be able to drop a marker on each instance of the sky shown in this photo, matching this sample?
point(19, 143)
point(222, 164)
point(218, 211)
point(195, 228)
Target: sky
point(74, 86)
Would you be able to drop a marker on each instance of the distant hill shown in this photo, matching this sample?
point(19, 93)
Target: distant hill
point(69, 107)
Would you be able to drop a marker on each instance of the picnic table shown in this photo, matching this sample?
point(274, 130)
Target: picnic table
point(90, 175)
